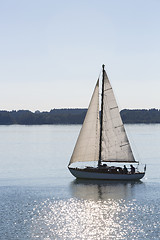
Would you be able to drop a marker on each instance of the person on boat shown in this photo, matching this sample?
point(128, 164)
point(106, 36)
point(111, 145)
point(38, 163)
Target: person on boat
point(125, 170)
point(104, 165)
point(132, 169)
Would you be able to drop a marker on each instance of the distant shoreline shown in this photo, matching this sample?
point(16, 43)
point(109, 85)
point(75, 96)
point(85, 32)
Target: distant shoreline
point(73, 116)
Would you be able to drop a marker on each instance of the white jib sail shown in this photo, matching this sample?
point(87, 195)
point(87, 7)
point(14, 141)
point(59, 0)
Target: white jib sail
point(87, 146)
point(115, 144)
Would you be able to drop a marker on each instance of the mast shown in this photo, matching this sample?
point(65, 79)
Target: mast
point(101, 119)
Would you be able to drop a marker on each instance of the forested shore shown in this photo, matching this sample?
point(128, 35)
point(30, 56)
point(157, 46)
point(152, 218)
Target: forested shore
point(73, 116)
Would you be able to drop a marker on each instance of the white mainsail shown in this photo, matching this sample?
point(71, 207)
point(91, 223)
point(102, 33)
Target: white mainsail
point(115, 144)
point(87, 146)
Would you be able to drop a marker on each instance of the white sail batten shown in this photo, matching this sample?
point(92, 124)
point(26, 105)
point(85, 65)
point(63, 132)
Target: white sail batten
point(87, 146)
point(115, 144)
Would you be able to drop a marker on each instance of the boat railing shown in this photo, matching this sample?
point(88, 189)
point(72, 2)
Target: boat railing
point(113, 169)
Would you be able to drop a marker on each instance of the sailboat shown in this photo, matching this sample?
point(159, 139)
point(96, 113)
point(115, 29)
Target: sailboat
point(103, 139)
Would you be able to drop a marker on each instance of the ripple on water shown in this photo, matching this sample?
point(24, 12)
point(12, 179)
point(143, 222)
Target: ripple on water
point(87, 219)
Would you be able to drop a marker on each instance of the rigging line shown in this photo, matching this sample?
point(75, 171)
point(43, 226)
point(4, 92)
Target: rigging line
point(132, 142)
point(99, 74)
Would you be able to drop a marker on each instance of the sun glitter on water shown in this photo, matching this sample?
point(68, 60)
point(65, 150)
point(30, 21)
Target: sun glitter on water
point(95, 212)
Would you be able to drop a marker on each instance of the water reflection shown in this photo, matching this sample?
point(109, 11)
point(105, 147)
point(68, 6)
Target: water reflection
point(102, 190)
point(76, 219)
point(97, 210)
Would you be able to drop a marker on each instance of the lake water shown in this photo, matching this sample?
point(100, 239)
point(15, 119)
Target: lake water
point(40, 199)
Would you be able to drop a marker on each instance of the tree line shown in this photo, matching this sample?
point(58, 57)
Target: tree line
point(73, 116)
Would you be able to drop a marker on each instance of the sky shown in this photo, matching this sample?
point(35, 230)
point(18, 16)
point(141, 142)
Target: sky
point(51, 52)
